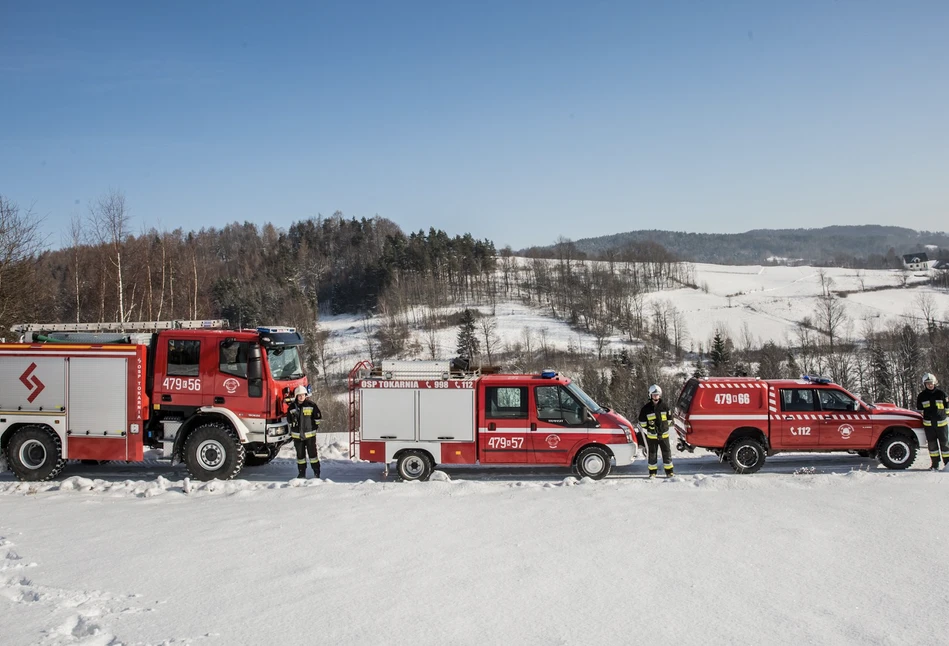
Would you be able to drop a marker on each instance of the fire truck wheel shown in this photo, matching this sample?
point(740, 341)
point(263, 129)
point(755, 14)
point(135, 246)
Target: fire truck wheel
point(897, 451)
point(415, 465)
point(593, 462)
point(35, 453)
point(746, 455)
point(213, 451)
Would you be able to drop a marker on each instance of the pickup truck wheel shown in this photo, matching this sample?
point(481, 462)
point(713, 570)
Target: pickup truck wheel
point(414, 465)
point(593, 462)
point(746, 456)
point(897, 451)
point(213, 451)
point(35, 454)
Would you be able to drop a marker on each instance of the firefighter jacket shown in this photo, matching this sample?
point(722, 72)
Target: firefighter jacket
point(303, 418)
point(654, 418)
point(933, 404)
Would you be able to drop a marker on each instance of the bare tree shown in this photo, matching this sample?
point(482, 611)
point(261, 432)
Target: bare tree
point(75, 240)
point(831, 316)
point(489, 326)
point(20, 243)
point(110, 220)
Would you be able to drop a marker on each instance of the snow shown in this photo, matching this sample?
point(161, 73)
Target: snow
point(815, 549)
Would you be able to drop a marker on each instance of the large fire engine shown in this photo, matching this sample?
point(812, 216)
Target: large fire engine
point(423, 413)
point(199, 392)
point(744, 420)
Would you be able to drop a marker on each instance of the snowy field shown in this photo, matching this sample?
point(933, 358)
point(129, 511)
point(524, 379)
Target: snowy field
point(814, 549)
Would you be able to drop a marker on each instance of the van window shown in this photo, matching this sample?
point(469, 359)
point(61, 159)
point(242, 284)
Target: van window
point(797, 400)
point(505, 402)
point(686, 396)
point(557, 405)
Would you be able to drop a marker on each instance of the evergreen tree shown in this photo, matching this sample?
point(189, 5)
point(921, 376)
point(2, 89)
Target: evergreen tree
point(794, 370)
point(720, 356)
point(699, 371)
point(468, 344)
point(881, 378)
point(769, 364)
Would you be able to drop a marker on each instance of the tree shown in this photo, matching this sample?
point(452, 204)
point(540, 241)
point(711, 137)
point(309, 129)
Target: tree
point(20, 243)
point(770, 358)
point(109, 219)
point(720, 355)
point(489, 331)
point(468, 344)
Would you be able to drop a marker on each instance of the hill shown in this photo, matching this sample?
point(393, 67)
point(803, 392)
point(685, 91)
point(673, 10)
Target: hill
point(871, 245)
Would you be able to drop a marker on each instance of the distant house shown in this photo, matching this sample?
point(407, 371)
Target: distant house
point(916, 261)
point(942, 265)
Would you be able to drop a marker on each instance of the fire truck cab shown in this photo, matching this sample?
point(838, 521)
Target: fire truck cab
point(422, 414)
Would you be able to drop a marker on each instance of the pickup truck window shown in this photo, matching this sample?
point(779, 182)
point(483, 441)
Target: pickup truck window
point(797, 400)
point(836, 400)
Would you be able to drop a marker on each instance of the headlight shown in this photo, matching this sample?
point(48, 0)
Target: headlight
point(629, 436)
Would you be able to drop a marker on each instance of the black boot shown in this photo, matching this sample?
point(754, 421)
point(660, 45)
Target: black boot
point(316, 470)
point(301, 473)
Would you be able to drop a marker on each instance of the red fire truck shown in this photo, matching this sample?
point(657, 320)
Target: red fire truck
point(423, 413)
point(744, 420)
point(203, 394)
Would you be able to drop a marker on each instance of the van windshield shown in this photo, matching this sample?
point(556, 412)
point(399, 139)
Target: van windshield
point(585, 398)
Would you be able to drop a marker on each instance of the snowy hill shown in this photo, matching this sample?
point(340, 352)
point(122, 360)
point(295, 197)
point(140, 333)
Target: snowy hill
point(746, 303)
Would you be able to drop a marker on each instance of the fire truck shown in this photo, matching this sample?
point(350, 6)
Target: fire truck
point(199, 392)
point(743, 420)
point(420, 414)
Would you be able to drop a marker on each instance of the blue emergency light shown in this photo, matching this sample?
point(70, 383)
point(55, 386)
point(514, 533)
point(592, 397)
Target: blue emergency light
point(817, 379)
point(548, 374)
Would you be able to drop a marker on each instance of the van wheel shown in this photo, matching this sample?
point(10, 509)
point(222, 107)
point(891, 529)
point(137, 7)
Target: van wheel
point(593, 462)
point(213, 451)
point(746, 456)
point(897, 451)
point(415, 465)
point(35, 454)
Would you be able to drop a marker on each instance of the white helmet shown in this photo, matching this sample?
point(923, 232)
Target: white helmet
point(930, 377)
point(299, 390)
point(655, 390)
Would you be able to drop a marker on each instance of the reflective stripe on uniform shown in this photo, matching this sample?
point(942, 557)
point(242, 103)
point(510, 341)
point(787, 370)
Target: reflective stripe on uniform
point(665, 436)
point(651, 437)
point(650, 416)
point(934, 454)
point(926, 404)
point(301, 461)
point(667, 467)
point(927, 422)
point(942, 422)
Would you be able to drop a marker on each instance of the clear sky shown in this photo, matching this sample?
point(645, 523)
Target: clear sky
point(515, 121)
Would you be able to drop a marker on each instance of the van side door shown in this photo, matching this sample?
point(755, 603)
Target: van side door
point(503, 433)
point(560, 424)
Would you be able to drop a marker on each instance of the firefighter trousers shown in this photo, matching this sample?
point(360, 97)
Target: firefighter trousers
point(938, 444)
point(655, 443)
point(306, 446)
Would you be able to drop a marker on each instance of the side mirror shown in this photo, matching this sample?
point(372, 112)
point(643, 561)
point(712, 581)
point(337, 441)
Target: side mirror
point(589, 419)
point(255, 381)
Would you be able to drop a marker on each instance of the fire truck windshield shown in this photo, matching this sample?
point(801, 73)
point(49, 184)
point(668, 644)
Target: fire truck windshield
point(285, 363)
point(585, 398)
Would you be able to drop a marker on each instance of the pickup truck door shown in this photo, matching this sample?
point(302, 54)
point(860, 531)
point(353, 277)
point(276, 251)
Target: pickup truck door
point(842, 427)
point(799, 421)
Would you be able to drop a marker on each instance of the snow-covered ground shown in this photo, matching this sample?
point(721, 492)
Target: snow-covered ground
point(814, 549)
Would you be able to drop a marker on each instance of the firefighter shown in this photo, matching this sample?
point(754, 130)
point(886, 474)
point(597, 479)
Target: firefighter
point(933, 403)
point(304, 416)
point(654, 419)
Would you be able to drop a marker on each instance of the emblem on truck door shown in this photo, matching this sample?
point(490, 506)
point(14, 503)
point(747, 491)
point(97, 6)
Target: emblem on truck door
point(32, 382)
point(552, 441)
point(231, 385)
point(845, 431)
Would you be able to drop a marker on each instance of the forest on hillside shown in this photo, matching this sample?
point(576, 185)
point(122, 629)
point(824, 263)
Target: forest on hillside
point(258, 274)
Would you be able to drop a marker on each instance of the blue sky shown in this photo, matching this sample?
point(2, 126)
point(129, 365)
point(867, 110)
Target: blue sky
point(515, 121)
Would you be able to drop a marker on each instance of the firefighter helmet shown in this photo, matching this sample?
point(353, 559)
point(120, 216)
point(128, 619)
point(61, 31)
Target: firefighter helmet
point(930, 377)
point(655, 390)
point(299, 390)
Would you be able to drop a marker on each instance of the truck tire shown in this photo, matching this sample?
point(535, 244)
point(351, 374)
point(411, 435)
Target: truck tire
point(897, 451)
point(35, 453)
point(253, 460)
point(415, 465)
point(593, 462)
point(213, 451)
point(747, 455)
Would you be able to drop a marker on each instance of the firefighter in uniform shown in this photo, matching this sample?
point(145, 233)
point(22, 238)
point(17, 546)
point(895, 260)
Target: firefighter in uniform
point(304, 416)
point(933, 403)
point(654, 419)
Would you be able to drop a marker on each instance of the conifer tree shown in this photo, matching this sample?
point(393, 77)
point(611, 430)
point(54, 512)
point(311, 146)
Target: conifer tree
point(720, 356)
point(468, 344)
